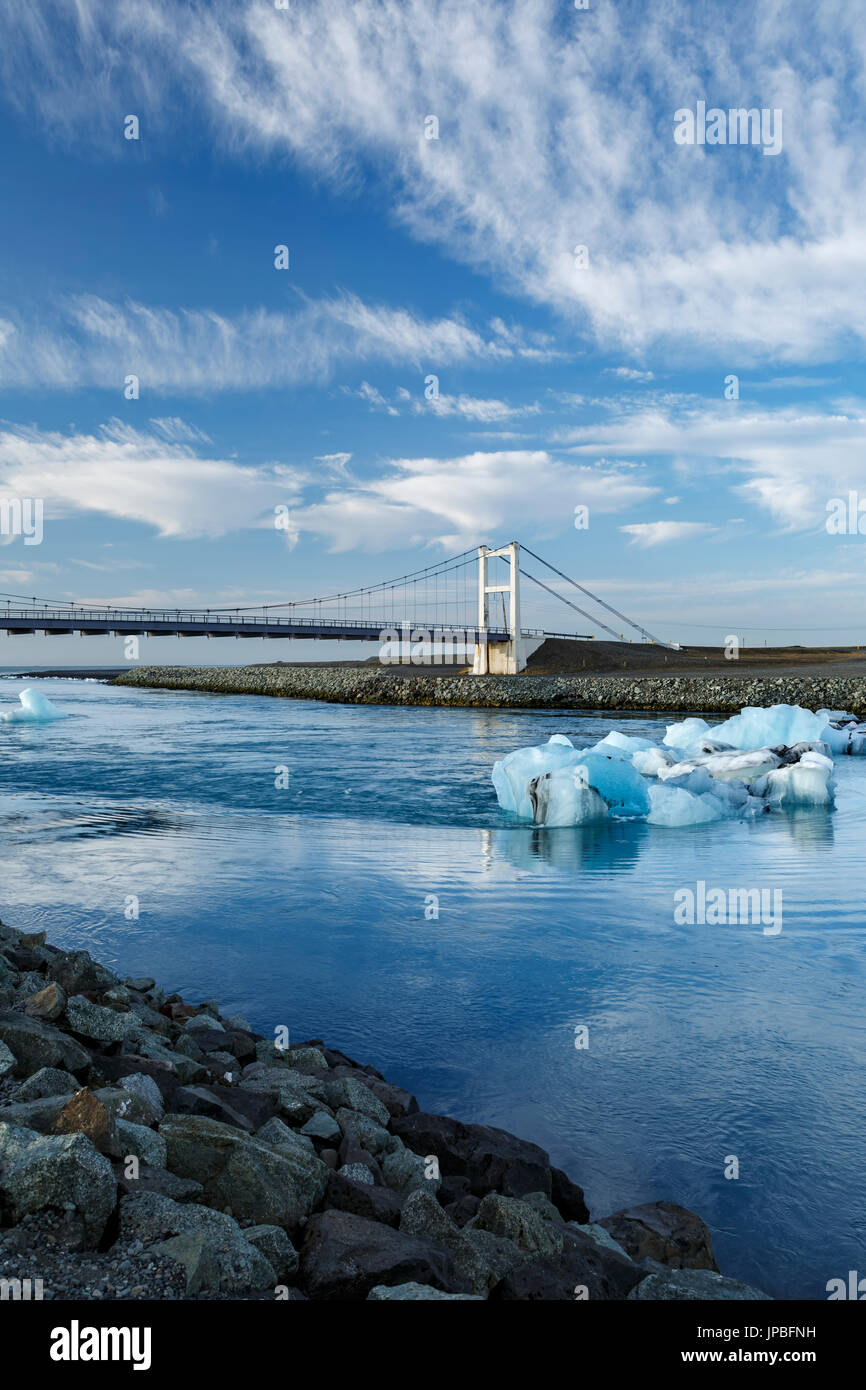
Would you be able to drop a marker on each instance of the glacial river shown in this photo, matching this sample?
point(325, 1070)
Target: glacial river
point(346, 871)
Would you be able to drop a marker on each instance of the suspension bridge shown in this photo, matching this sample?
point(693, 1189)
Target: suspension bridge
point(456, 603)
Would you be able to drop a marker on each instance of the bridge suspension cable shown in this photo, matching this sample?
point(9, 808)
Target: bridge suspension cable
point(630, 622)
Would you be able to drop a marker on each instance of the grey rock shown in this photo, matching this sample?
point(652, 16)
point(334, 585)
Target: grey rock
point(423, 1216)
point(35, 1044)
point(498, 1255)
point(694, 1284)
point(204, 1021)
point(321, 1126)
point(406, 1172)
point(601, 1237)
point(144, 1044)
point(76, 971)
point(492, 1159)
point(241, 1172)
point(368, 1133)
point(213, 1264)
point(363, 1199)
point(8, 1061)
point(63, 1171)
point(158, 1181)
point(142, 984)
point(519, 1222)
point(153, 1215)
point(354, 1095)
point(543, 1205)
point(142, 1142)
point(95, 1021)
point(307, 1057)
point(357, 1172)
point(289, 1140)
point(48, 1081)
point(276, 1247)
point(296, 1103)
point(345, 1256)
point(406, 1293)
point(138, 1084)
point(187, 1045)
point(40, 1114)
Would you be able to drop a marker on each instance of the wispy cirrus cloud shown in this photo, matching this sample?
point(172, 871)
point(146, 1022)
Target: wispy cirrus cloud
point(649, 533)
point(555, 130)
point(97, 342)
point(788, 461)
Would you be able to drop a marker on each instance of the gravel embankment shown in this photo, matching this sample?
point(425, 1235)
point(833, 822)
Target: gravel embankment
point(151, 1148)
point(724, 695)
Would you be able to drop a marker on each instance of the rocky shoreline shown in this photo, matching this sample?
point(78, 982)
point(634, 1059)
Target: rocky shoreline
point(378, 686)
point(152, 1149)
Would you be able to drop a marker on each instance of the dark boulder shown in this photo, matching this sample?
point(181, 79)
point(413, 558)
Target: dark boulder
point(665, 1232)
point(128, 1064)
point(247, 1110)
point(345, 1256)
point(492, 1159)
point(76, 972)
point(582, 1270)
point(363, 1199)
point(567, 1197)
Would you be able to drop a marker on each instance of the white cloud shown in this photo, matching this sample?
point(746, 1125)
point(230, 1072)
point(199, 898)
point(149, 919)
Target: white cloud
point(556, 129)
point(647, 533)
point(134, 475)
point(473, 408)
point(629, 374)
point(459, 501)
point(97, 342)
point(788, 461)
point(137, 476)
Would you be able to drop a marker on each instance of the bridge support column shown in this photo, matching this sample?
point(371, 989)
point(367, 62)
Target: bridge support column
point(501, 658)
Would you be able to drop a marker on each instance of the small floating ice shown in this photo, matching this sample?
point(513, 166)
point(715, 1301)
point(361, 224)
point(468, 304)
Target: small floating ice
point(760, 760)
point(35, 707)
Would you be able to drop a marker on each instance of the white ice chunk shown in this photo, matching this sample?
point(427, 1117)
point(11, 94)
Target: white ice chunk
point(686, 734)
point(843, 733)
point(34, 706)
point(624, 790)
point(564, 797)
point(513, 773)
point(754, 727)
point(674, 806)
point(727, 767)
point(650, 763)
point(806, 783)
point(616, 745)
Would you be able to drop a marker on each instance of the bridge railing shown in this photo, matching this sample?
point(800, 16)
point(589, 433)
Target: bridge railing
point(204, 618)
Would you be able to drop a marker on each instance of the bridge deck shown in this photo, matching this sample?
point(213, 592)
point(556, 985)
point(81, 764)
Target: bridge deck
point(96, 622)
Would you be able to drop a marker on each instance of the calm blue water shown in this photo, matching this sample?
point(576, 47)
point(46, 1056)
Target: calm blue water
point(306, 907)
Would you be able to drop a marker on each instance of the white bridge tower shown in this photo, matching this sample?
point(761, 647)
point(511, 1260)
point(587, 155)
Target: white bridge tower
point(501, 658)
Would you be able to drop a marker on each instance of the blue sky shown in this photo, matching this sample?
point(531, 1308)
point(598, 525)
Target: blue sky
point(559, 386)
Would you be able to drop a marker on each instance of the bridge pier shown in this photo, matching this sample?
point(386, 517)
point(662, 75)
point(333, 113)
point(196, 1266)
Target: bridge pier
point(504, 658)
point(501, 658)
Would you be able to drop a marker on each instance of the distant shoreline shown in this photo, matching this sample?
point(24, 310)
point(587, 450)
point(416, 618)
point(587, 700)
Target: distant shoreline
point(399, 686)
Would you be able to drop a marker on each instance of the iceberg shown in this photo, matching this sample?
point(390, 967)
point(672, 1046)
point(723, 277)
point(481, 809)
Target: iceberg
point(35, 707)
point(564, 797)
point(758, 761)
point(513, 774)
point(676, 806)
